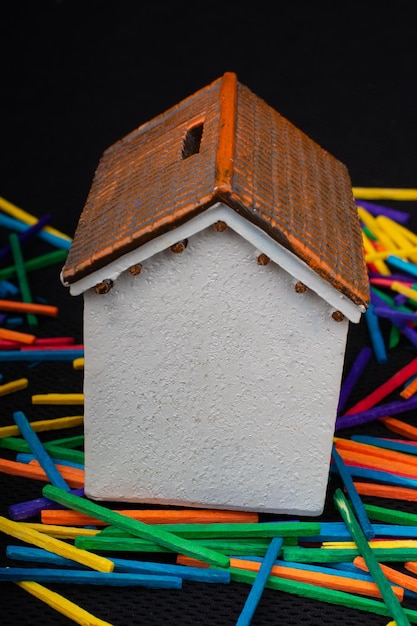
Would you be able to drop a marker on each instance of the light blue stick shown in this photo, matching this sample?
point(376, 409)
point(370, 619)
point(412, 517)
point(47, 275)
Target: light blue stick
point(13, 224)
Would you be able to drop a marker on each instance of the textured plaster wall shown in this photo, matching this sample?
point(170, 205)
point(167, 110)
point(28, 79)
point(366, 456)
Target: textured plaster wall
point(210, 382)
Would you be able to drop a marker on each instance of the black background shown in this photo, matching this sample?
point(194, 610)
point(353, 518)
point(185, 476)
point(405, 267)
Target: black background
point(78, 76)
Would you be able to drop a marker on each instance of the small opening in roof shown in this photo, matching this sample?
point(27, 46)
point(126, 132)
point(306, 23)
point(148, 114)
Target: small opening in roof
point(192, 141)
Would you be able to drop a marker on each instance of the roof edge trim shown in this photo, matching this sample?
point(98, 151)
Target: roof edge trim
point(225, 154)
point(249, 231)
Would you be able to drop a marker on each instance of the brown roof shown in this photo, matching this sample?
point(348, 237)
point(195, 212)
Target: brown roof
point(223, 143)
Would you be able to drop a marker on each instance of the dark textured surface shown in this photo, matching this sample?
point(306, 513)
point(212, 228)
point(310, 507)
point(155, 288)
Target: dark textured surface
point(76, 77)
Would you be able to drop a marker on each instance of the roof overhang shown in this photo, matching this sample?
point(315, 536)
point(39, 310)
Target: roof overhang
point(252, 233)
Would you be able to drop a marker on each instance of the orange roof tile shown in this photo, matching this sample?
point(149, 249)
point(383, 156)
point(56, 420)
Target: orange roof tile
point(223, 143)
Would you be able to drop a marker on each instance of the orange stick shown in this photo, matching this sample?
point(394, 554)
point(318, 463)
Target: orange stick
point(391, 574)
point(329, 581)
point(411, 566)
point(167, 516)
point(183, 559)
point(386, 491)
point(409, 390)
point(28, 307)
point(373, 462)
point(73, 476)
point(400, 427)
point(383, 453)
point(14, 335)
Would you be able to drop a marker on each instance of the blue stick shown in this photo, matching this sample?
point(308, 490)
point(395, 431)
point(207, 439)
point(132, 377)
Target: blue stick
point(375, 334)
point(258, 586)
point(355, 499)
point(197, 574)
point(39, 451)
point(40, 355)
point(399, 446)
point(88, 577)
point(379, 476)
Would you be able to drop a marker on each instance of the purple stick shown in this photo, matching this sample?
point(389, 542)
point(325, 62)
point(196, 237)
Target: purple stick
point(399, 316)
point(24, 510)
point(351, 379)
point(376, 209)
point(383, 410)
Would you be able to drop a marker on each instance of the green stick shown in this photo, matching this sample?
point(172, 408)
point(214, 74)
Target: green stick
point(339, 555)
point(136, 528)
point(66, 454)
point(38, 263)
point(382, 514)
point(390, 599)
point(222, 530)
point(21, 276)
point(242, 547)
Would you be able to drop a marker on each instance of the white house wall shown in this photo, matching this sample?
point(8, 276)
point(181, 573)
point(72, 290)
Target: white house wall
point(209, 381)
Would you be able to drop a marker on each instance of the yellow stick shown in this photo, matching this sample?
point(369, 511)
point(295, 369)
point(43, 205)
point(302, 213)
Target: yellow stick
point(61, 532)
point(61, 604)
point(42, 425)
point(406, 291)
point(58, 398)
point(369, 250)
point(372, 224)
point(62, 548)
point(78, 364)
point(384, 193)
point(383, 254)
point(380, 543)
point(399, 236)
point(13, 385)
point(27, 218)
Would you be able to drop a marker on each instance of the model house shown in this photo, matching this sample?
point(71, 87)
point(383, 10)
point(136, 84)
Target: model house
point(219, 256)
